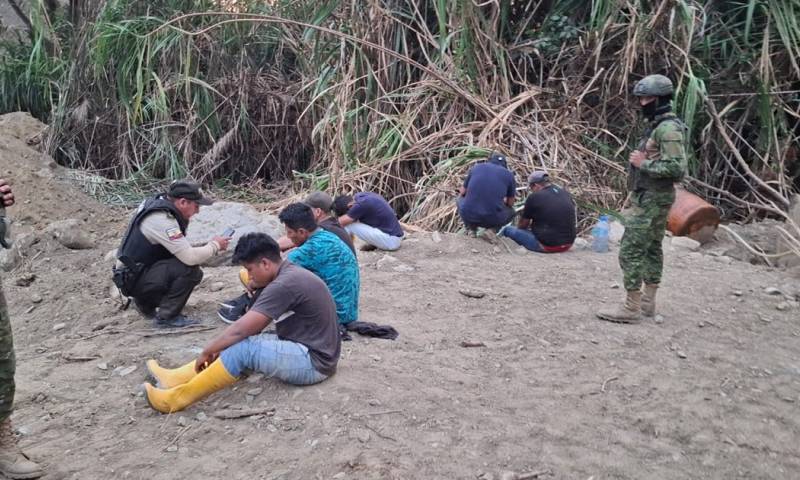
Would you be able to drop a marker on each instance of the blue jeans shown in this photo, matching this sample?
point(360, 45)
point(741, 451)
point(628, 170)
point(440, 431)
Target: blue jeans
point(526, 238)
point(282, 359)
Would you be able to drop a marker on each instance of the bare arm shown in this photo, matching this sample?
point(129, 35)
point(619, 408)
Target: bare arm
point(6, 194)
point(285, 243)
point(510, 201)
point(250, 324)
point(462, 191)
point(345, 220)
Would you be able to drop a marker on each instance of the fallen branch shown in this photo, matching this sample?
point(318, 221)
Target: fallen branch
point(230, 414)
point(606, 381)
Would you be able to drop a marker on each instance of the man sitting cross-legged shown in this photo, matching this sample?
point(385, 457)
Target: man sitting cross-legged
point(305, 350)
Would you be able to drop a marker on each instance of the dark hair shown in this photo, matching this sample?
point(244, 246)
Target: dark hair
point(255, 246)
point(297, 216)
point(340, 204)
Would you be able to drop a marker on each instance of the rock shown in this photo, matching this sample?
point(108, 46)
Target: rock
point(614, 285)
point(25, 279)
point(22, 246)
point(172, 448)
point(680, 354)
point(201, 417)
point(254, 392)
point(59, 326)
point(339, 475)
point(36, 298)
point(217, 286)
point(581, 244)
point(685, 243)
point(402, 268)
point(214, 219)
point(385, 261)
point(374, 402)
point(509, 476)
point(182, 421)
point(724, 260)
point(784, 306)
point(71, 233)
point(772, 291)
point(737, 293)
point(471, 293)
point(102, 366)
point(362, 435)
point(615, 232)
point(659, 319)
point(436, 237)
point(110, 256)
point(124, 371)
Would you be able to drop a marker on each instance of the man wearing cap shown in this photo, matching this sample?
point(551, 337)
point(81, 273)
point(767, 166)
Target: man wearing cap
point(157, 266)
point(487, 197)
point(547, 223)
point(320, 204)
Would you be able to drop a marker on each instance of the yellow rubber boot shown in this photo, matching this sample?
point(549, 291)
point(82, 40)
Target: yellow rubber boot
point(171, 377)
point(214, 378)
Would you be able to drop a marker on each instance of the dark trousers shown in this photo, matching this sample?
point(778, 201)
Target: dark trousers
point(498, 220)
point(7, 361)
point(167, 284)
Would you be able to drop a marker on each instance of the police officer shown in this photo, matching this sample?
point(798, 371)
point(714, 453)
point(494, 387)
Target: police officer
point(657, 164)
point(157, 266)
point(13, 462)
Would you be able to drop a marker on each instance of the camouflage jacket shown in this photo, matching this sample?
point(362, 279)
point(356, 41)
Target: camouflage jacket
point(664, 143)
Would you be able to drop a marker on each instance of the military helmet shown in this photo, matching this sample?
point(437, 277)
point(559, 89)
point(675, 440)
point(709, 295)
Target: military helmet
point(653, 86)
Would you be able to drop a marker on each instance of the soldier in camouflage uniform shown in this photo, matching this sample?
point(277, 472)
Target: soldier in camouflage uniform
point(13, 463)
point(658, 163)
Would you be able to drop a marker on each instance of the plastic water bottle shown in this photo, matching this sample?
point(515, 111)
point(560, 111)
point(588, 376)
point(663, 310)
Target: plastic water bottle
point(600, 235)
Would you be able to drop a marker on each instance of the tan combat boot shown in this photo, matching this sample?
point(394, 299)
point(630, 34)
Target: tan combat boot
point(13, 463)
point(649, 299)
point(629, 312)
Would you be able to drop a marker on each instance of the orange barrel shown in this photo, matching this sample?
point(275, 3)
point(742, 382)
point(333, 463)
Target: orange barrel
point(693, 217)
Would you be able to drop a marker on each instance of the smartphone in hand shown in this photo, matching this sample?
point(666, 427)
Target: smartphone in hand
point(228, 233)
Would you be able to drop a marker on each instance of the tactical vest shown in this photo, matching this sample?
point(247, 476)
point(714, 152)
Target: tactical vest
point(639, 180)
point(136, 252)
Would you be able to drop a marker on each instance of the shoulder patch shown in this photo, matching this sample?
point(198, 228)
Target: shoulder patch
point(174, 233)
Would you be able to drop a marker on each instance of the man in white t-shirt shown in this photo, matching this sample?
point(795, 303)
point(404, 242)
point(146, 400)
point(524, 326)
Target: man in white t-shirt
point(157, 266)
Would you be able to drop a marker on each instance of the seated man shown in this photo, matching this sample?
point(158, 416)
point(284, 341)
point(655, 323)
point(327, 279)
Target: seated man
point(369, 217)
point(487, 197)
point(322, 253)
point(305, 350)
point(157, 265)
point(547, 223)
point(321, 204)
point(319, 251)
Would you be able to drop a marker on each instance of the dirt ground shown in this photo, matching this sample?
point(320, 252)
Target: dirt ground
point(711, 391)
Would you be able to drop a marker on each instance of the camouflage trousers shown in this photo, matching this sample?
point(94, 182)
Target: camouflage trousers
point(640, 254)
point(7, 360)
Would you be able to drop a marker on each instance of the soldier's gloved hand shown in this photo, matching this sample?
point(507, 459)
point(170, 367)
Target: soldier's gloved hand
point(222, 242)
point(5, 191)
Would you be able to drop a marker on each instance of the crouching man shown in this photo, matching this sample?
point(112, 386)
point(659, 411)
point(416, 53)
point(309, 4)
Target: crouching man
point(156, 264)
point(304, 351)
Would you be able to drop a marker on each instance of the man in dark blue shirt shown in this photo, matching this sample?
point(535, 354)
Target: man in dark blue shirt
point(369, 217)
point(487, 196)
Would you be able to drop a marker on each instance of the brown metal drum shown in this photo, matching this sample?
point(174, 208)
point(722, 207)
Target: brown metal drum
point(693, 217)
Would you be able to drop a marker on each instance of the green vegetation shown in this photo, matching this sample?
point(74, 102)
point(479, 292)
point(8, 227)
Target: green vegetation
point(401, 97)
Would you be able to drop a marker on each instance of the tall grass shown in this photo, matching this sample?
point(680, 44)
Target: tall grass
point(403, 97)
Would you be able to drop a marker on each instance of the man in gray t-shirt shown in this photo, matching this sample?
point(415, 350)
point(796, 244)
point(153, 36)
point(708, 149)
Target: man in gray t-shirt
point(305, 350)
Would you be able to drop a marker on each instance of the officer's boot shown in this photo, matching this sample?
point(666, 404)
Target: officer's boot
point(14, 463)
point(649, 299)
point(629, 312)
